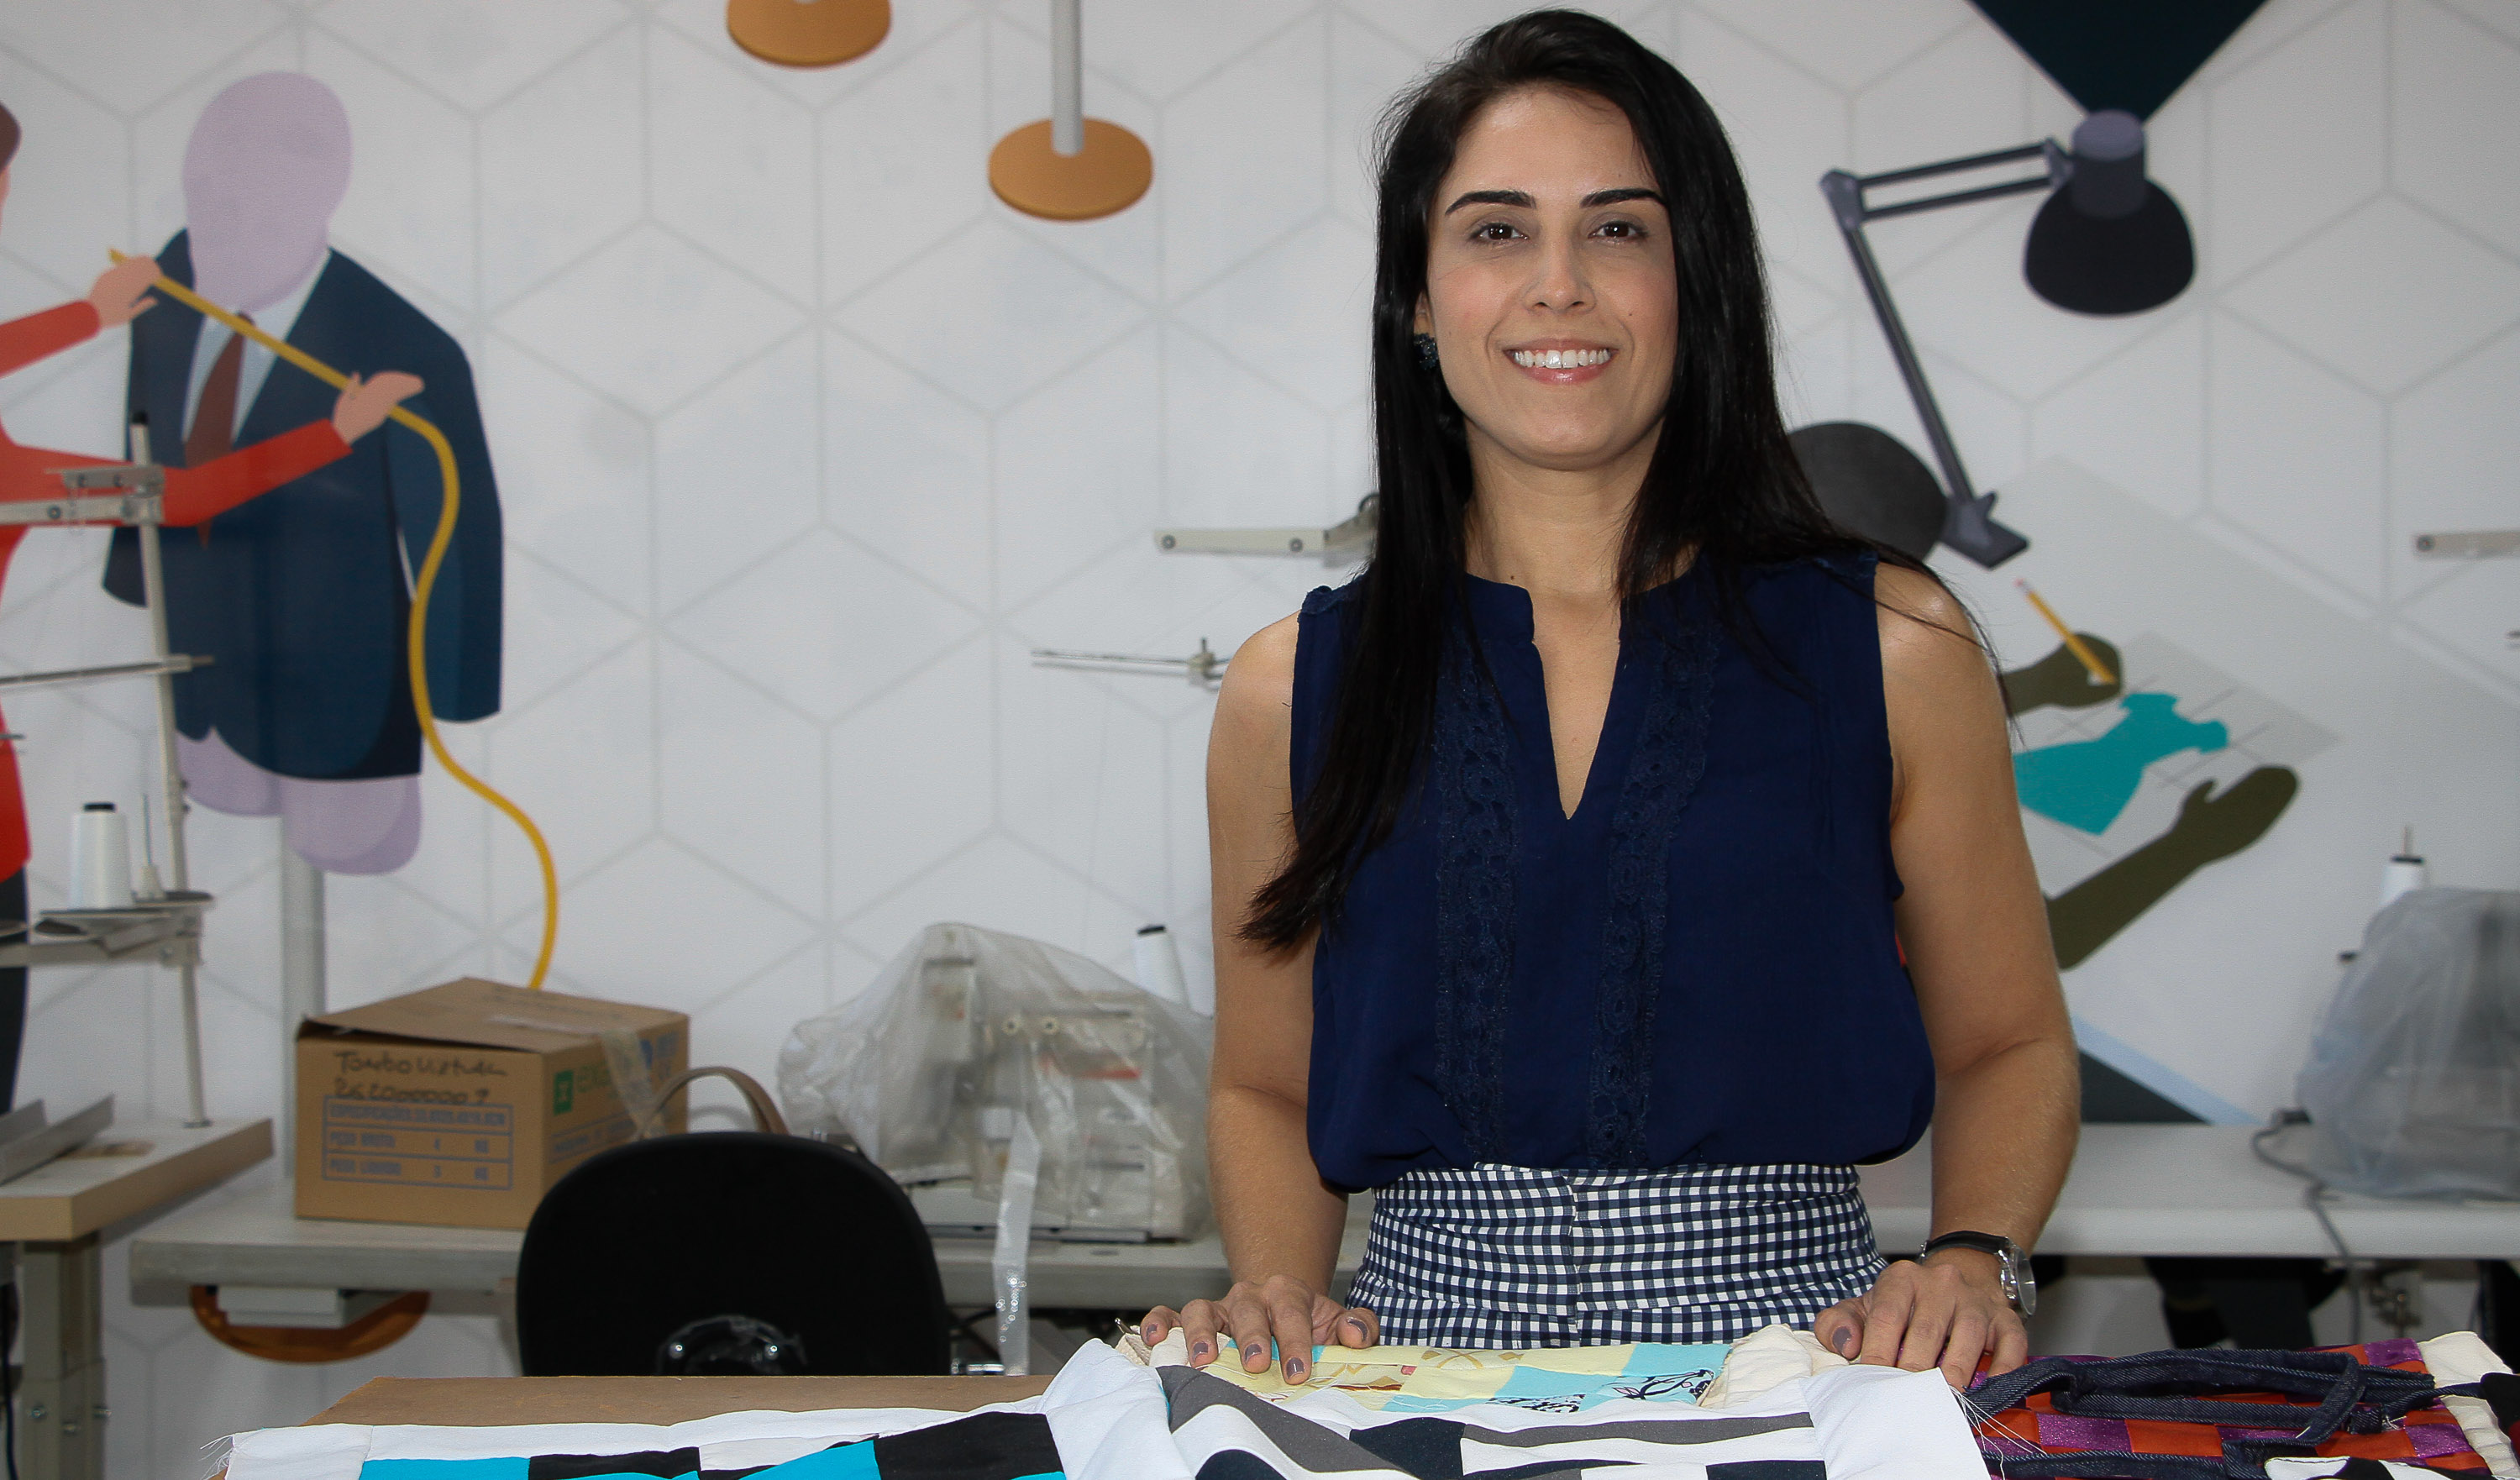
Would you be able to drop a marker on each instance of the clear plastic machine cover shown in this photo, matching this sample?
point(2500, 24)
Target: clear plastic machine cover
point(966, 1030)
point(2415, 1073)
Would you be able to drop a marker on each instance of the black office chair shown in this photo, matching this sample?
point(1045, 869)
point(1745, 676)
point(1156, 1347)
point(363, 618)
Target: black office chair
point(729, 1253)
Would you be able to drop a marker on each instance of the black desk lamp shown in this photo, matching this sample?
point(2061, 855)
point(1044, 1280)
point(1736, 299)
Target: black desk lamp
point(2109, 241)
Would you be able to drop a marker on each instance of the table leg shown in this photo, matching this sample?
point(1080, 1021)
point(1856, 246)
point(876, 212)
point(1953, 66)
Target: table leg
point(62, 1400)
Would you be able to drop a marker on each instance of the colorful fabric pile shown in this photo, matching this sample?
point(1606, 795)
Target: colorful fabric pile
point(2189, 1416)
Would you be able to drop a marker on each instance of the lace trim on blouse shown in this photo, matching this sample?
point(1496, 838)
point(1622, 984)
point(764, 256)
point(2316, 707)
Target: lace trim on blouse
point(1663, 774)
point(1475, 843)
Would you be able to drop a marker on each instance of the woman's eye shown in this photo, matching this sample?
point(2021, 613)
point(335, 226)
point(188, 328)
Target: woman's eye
point(1493, 230)
point(1624, 231)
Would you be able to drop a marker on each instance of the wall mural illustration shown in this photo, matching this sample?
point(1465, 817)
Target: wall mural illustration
point(303, 597)
point(226, 473)
point(2124, 802)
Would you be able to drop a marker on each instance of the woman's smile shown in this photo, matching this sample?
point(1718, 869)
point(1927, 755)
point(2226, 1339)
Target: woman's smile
point(1561, 362)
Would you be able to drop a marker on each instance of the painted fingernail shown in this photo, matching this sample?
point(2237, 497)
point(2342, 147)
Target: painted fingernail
point(1198, 1349)
point(1294, 1372)
point(1356, 1322)
point(1846, 1342)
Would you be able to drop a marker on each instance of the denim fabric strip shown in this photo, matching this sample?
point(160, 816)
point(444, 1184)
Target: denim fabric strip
point(2168, 1387)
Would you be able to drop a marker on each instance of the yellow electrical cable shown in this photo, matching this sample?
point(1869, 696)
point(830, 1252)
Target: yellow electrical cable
point(417, 638)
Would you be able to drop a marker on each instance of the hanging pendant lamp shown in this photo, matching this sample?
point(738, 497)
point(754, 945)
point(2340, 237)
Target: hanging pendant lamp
point(808, 32)
point(1067, 166)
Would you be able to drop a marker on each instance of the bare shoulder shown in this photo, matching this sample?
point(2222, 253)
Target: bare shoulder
point(1254, 707)
point(1926, 635)
point(1261, 678)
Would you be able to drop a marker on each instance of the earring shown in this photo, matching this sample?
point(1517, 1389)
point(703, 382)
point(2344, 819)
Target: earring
point(1426, 357)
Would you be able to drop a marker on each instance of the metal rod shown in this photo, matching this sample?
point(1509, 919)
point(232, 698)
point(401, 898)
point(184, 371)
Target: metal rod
point(1203, 667)
point(180, 662)
point(1957, 198)
point(1066, 78)
point(1846, 197)
point(153, 587)
point(301, 969)
point(1953, 167)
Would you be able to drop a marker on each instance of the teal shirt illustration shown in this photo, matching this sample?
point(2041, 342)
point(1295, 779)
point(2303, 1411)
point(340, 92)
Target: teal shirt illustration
point(2087, 784)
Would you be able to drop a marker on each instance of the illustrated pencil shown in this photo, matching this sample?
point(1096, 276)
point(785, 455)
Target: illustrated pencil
point(2074, 643)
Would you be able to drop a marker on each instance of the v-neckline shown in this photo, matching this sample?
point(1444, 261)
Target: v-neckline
point(1525, 631)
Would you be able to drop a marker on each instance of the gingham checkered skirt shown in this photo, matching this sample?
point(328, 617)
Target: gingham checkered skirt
point(1509, 1258)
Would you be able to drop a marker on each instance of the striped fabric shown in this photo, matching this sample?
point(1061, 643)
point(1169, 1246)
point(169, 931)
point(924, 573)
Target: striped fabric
point(1228, 1434)
point(1512, 1258)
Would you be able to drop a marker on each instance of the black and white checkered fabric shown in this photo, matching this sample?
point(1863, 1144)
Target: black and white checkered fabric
point(1508, 1258)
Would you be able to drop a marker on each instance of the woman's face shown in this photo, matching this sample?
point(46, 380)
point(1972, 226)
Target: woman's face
point(1551, 289)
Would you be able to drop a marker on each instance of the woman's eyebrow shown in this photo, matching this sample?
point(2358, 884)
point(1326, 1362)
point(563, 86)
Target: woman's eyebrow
point(1632, 193)
point(1490, 198)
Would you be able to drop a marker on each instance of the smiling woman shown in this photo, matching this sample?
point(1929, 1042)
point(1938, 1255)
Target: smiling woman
point(1564, 858)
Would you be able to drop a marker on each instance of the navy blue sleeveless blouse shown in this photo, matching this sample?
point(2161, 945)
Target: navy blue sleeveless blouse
point(1697, 966)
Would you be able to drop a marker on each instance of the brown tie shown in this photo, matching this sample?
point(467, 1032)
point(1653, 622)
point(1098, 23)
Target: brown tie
point(213, 430)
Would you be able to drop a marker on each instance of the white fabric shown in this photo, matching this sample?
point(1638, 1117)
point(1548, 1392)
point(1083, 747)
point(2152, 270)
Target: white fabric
point(1764, 1359)
point(1107, 1417)
point(2301, 1467)
point(2463, 1357)
point(253, 367)
point(1881, 1423)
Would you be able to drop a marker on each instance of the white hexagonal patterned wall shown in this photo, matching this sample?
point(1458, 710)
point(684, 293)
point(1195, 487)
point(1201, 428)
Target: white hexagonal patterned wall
point(805, 440)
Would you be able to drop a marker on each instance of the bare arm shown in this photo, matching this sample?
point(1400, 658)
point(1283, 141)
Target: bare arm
point(1975, 929)
point(1279, 1224)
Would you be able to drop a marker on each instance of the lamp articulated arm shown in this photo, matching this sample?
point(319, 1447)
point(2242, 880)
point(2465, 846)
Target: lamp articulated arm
point(1969, 526)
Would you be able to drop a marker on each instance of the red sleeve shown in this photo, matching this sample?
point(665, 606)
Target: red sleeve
point(194, 494)
point(23, 341)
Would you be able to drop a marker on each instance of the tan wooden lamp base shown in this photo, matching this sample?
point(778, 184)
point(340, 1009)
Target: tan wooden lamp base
point(1105, 177)
point(808, 32)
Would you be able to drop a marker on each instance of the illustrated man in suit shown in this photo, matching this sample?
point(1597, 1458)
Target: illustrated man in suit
point(303, 596)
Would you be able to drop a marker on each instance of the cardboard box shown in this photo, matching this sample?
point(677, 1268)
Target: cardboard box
point(461, 1104)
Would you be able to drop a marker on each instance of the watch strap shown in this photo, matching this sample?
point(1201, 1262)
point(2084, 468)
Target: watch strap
point(1969, 1238)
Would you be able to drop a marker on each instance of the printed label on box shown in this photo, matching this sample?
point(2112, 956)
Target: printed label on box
point(587, 1139)
point(420, 1145)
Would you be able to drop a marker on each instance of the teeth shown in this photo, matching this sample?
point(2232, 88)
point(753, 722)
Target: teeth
point(1559, 359)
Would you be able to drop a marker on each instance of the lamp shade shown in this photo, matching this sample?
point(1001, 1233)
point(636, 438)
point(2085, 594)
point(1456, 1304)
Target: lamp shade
point(2110, 242)
point(1870, 485)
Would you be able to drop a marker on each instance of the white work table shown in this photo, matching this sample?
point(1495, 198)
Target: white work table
point(2199, 1191)
point(2134, 1190)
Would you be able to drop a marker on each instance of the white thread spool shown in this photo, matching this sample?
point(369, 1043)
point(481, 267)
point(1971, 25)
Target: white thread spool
point(1159, 963)
point(2403, 875)
point(100, 859)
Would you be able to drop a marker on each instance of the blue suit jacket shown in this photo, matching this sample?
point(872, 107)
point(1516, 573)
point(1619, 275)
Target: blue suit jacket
point(302, 595)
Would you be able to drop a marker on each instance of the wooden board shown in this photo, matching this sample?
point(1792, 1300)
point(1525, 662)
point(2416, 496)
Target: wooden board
point(496, 1401)
point(81, 1193)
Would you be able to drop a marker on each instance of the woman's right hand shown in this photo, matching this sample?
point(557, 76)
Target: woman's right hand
point(1277, 1309)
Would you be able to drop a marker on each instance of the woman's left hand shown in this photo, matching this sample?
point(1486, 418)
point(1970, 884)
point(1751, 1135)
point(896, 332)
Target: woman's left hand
point(1945, 1310)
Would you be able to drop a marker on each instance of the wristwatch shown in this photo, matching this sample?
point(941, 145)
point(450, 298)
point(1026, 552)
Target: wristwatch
point(2020, 1286)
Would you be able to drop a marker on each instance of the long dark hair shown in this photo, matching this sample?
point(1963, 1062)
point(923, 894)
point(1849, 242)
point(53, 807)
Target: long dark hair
point(1724, 489)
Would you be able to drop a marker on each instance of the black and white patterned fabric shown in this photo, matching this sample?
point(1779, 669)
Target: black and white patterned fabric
point(1507, 1258)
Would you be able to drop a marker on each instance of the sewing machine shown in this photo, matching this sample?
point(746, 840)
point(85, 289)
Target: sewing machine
point(1113, 1165)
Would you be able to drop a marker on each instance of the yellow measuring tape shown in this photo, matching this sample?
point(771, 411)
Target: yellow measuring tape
point(427, 581)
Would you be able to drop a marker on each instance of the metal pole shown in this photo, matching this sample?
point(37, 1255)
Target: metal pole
point(1845, 194)
point(1066, 78)
point(153, 587)
point(302, 975)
